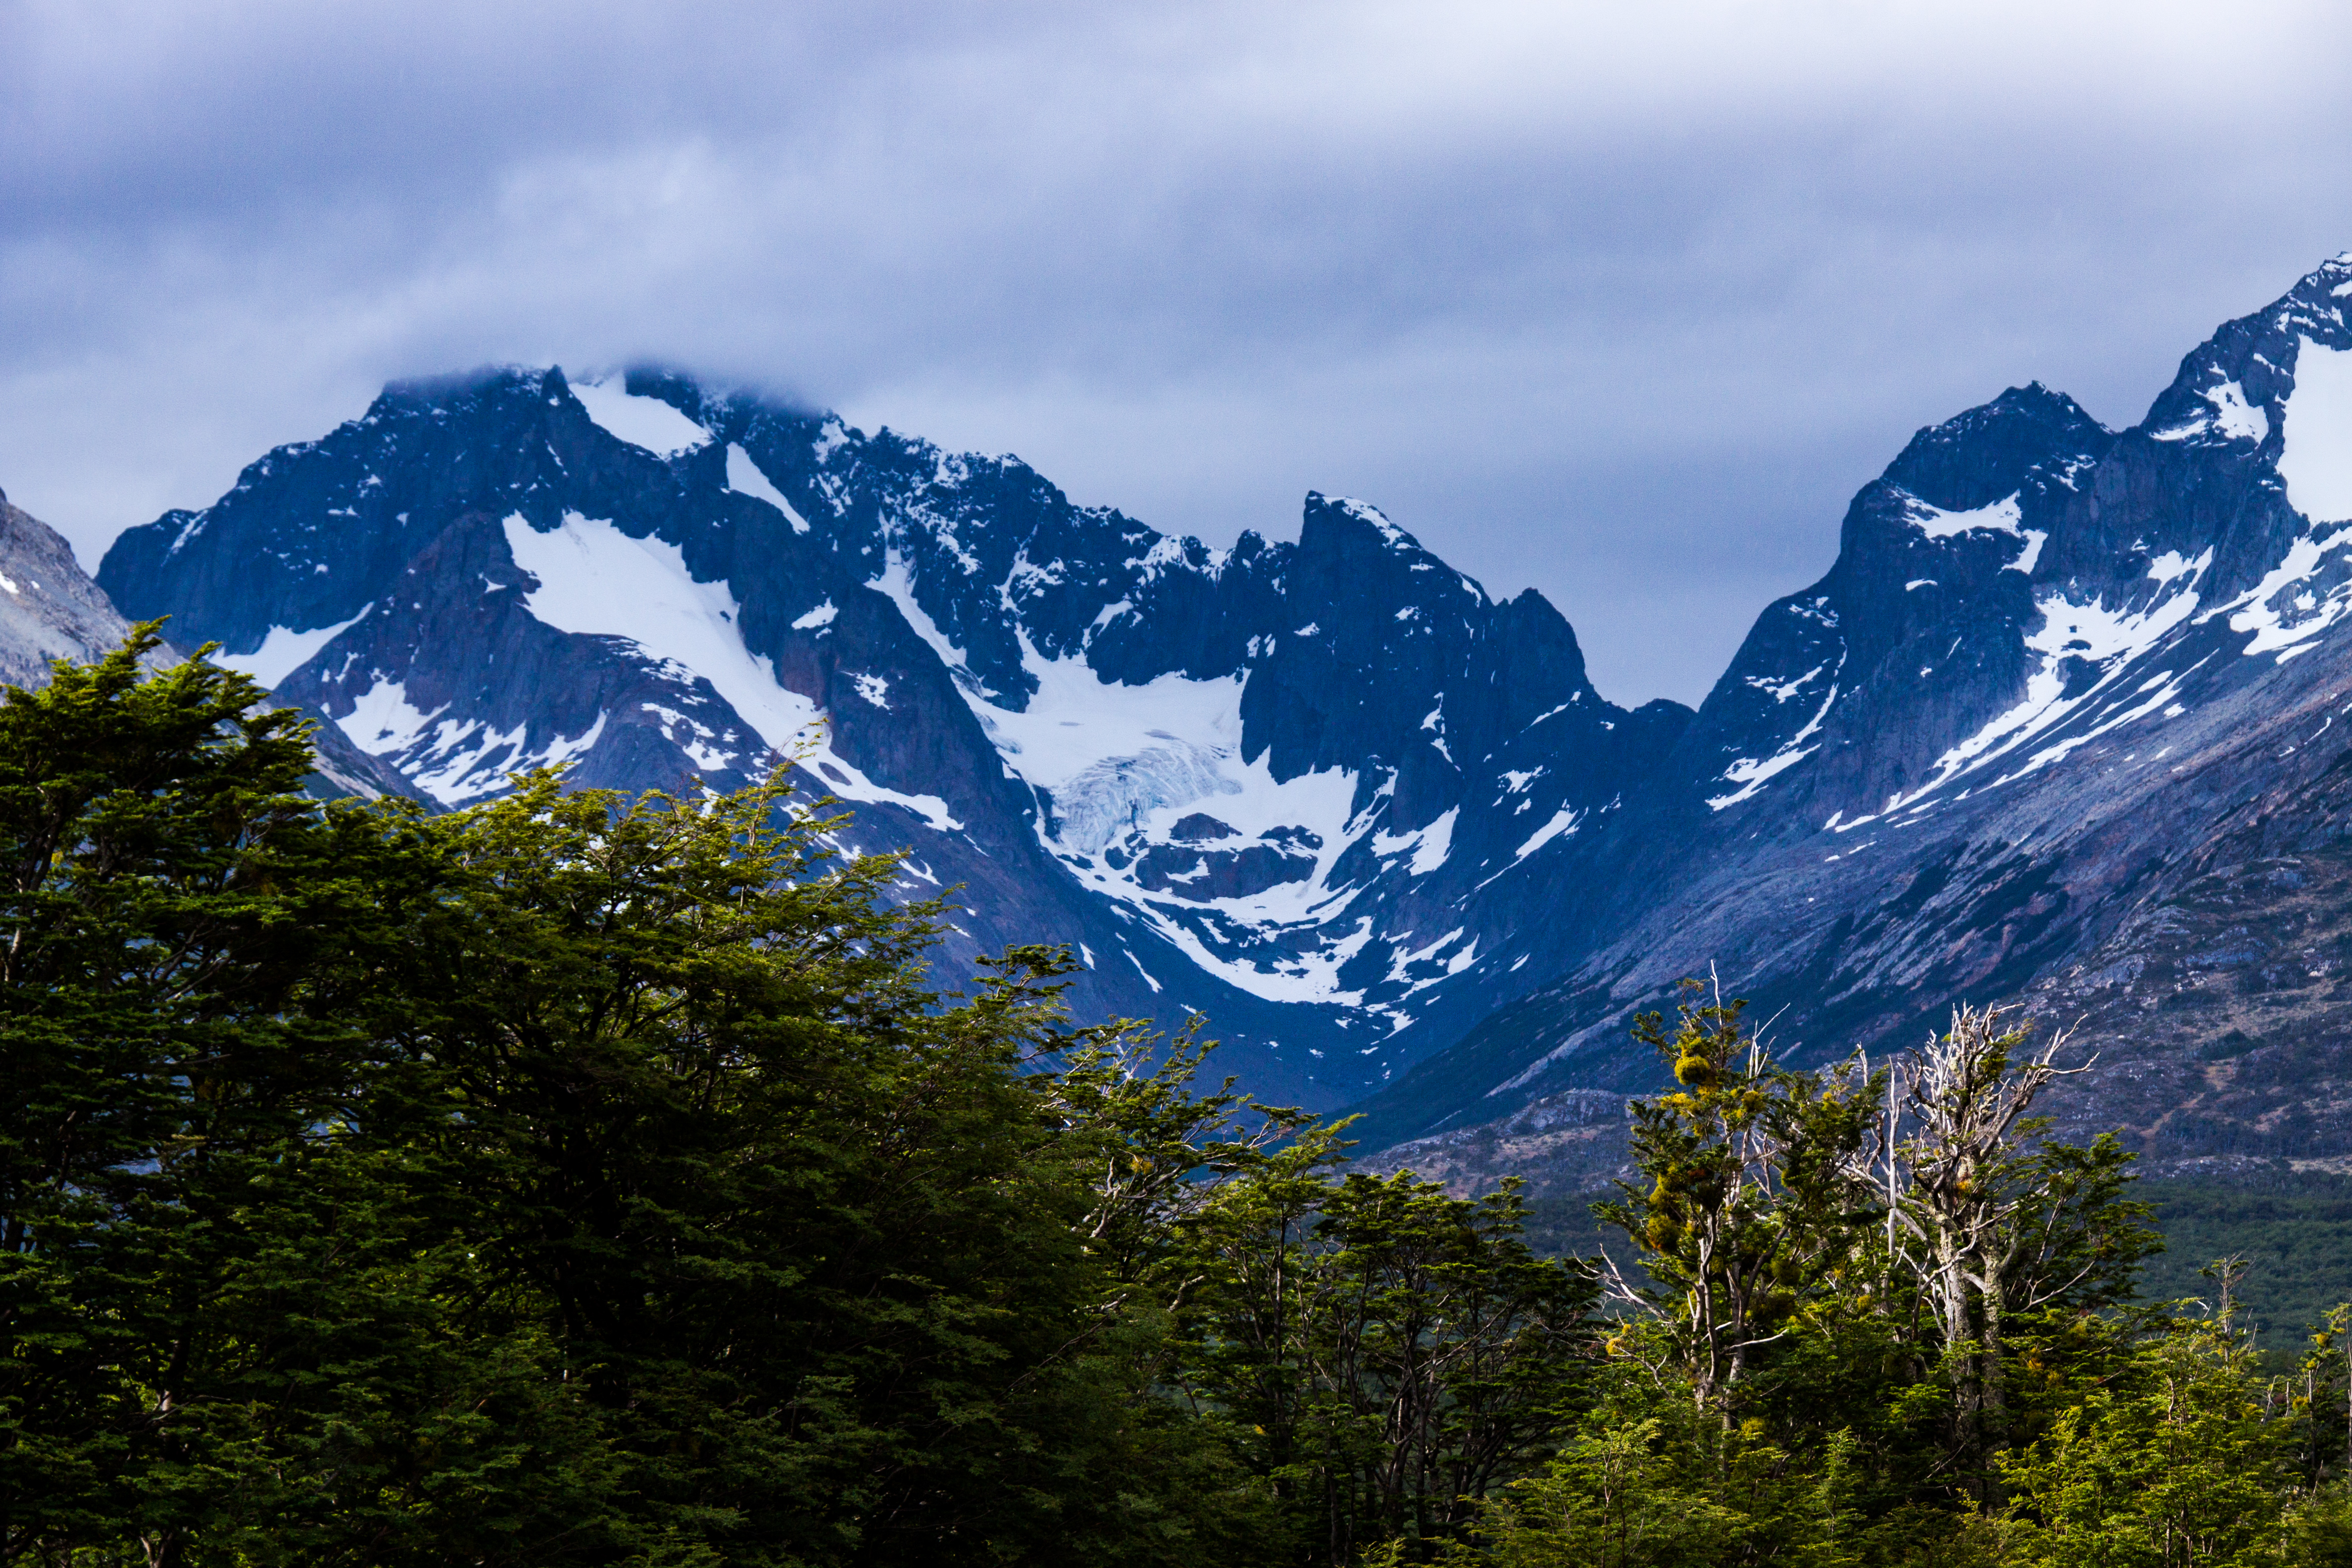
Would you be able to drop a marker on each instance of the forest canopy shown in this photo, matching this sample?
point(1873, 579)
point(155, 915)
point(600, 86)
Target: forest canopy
point(586, 1179)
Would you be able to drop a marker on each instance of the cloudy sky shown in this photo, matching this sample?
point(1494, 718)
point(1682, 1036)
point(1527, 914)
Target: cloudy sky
point(1619, 302)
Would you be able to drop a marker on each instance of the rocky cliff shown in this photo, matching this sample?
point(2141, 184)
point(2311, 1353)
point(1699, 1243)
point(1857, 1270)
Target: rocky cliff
point(50, 609)
point(2058, 725)
point(1284, 783)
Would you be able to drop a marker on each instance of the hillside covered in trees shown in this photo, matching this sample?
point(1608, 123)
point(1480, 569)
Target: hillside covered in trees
point(586, 1179)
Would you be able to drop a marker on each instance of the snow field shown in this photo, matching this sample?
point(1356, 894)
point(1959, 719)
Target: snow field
point(285, 649)
point(646, 422)
point(2317, 458)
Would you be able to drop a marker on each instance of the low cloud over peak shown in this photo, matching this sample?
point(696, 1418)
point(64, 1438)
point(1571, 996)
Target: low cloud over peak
point(1622, 307)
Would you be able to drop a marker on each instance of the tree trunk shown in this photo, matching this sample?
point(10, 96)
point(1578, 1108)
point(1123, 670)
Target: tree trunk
point(1953, 1301)
point(1994, 1397)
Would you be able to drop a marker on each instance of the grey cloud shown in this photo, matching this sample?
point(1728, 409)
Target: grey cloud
point(1621, 308)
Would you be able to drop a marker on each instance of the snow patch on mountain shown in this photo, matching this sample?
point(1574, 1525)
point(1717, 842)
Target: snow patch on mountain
point(2000, 516)
point(1564, 820)
point(1113, 796)
point(2316, 456)
point(597, 581)
point(900, 589)
point(1310, 822)
point(1436, 843)
point(284, 650)
point(1124, 764)
point(2226, 411)
point(1781, 690)
point(2288, 627)
point(705, 745)
point(1077, 719)
point(1264, 968)
point(1430, 846)
point(646, 422)
point(1420, 968)
point(2236, 416)
point(2071, 637)
point(454, 761)
point(744, 477)
point(1753, 773)
point(1127, 766)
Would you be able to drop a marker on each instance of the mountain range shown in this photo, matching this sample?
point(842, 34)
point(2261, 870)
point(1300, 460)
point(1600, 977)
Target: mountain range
point(2057, 727)
point(51, 610)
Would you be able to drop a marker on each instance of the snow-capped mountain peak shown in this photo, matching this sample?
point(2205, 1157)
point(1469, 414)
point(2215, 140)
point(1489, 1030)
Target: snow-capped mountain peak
point(1274, 781)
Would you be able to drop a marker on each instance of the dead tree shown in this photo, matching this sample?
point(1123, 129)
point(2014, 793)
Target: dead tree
point(1953, 1195)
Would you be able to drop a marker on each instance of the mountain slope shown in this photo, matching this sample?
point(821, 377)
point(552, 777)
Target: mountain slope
point(52, 610)
point(1278, 783)
point(2057, 682)
point(48, 606)
point(2058, 724)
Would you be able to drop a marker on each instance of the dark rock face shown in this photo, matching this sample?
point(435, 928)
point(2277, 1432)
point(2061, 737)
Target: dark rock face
point(1205, 873)
point(1291, 786)
point(51, 609)
point(2060, 724)
point(2058, 682)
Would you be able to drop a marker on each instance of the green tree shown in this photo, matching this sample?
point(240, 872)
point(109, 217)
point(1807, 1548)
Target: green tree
point(576, 1179)
point(1383, 1354)
point(2324, 1398)
point(1781, 1387)
point(1998, 1238)
point(1619, 1498)
point(2174, 1465)
point(816, 1241)
point(1752, 1200)
point(582, 1179)
point(201, 1281)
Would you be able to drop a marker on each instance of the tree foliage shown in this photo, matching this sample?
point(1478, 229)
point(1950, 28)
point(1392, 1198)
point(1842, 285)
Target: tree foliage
point(1751, 1199)
point(1955, 1374)
point(581, 1179)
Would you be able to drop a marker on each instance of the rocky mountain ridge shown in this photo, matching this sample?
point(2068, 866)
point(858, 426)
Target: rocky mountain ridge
point(1289, 785)
point(2059, 681)
point(51, 610)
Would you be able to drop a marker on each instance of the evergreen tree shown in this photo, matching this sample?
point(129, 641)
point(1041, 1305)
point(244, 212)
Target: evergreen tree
point(197, 1275)
point(580, 1179)
point(1384, 1354)
point(576, 1179)
point(1748, 1202)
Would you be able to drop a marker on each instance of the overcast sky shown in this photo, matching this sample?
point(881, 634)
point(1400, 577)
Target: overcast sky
point(1619, 302)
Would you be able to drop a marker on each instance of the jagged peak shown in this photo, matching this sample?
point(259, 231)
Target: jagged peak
point(2331, 272)
point(1365, 512)
point(2320, 303)
point(447, 385)
point(1343, 523)
point(1324, 510)
point(1977, 456)
point(2228, 387)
